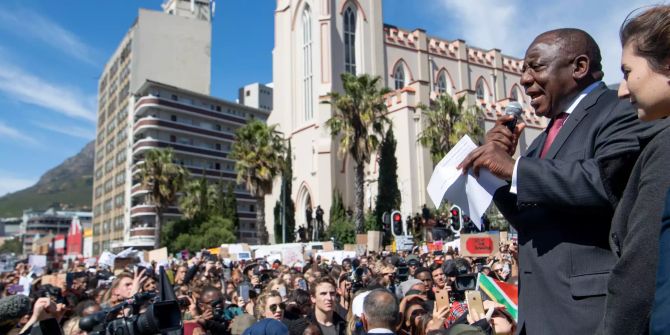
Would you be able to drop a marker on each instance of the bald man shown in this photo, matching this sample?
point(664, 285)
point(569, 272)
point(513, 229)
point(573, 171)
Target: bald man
point(562, 193)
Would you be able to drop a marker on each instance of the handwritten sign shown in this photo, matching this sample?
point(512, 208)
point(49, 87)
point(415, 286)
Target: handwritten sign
point(479, 245)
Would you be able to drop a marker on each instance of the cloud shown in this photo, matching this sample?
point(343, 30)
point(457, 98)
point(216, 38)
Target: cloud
point(30, 24)
point(26, 87)
point(15, 134)
point(74, 131)
point(9, 184)
point(512, 25)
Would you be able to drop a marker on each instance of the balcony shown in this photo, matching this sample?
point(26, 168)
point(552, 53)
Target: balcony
point(148, 210)
point(154, 123)
point(144, 103)
point(150, 143)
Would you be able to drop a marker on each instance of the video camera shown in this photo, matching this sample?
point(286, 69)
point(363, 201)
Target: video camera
point(465, 279)
point(159, 317)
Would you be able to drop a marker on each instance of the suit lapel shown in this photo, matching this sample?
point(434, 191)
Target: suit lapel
point(535, 147)
point(577, 115)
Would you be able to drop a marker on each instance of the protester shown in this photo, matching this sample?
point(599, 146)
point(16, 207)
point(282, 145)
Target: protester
point(634, 235)
point(555, 196)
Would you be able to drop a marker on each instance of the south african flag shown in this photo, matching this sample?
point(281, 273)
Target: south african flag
point(500, 292)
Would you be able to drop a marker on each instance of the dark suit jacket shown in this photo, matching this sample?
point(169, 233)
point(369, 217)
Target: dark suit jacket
point(563, 213)
point(660, 322)
point(634, 237)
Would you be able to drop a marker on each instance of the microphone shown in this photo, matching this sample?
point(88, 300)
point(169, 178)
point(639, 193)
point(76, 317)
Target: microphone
point(12, 309)
point(515, 109)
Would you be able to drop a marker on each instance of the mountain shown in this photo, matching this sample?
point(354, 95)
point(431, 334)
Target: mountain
point(68, 185)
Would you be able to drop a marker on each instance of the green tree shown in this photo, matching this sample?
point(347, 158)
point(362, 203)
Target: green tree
point(199, 199)
point(164, 180)
point(209, 233)
point(285, 195)
point(388, 194)
point(13, 245)
point(446, 122)
point(340, 226)
point(358, 124)
point(258, 152)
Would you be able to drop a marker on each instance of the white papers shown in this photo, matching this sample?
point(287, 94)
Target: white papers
point(472, 195)
point(107, 258)
point(38, 262)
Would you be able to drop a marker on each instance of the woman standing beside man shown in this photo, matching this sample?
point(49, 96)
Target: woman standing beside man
point(634, 235)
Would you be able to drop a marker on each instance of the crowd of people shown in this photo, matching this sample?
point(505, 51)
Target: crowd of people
point(586, 198)
point(399, 292)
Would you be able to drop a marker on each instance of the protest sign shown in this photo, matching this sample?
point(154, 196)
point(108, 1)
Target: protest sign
point(374, 241)
point(121, 263)
point(90, 262)
point(503, 236)
point(293, 255)
point(479, 245)
point(158, 255)
point(361, 238)
point(106, 258)
point(245, 255)
point(38, 263)
point(361, 249)
point(328, 246)
point(337, 255)
point(349, 247)
point(274, 257)
point(224, 253)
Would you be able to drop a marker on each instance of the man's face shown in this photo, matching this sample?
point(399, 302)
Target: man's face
point(427, 280)
point(149, 285)
point(181, 273)
point(79, 285)
point(125, 288)
point(205, 301)
point(439, 278)
point(548, 76)
point(324, 298)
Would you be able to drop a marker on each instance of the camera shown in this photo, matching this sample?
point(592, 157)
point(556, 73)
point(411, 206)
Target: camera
point(159, 317)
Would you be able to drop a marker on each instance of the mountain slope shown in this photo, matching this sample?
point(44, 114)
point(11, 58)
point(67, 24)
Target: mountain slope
point(69, 185)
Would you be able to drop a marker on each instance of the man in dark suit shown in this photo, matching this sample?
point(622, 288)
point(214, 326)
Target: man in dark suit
point(380, 312)
point(556, 198)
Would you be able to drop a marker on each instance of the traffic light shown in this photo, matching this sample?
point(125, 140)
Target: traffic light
point(455, 219)
point(396, 223)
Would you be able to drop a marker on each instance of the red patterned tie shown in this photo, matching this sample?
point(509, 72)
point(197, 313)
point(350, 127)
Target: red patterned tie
point(556, 125)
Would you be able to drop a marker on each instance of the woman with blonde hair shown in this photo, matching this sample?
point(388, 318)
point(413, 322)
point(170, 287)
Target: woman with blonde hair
point(270, 305)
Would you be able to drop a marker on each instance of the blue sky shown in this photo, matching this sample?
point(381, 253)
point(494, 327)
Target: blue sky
point(52, 52)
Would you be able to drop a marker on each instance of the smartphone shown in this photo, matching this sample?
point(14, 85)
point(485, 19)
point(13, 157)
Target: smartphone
point(474, 301)
point(226, 273)
point(282, 291)
point(302, 284)
point(14, 289)
point(441, 299)
point(244, 291)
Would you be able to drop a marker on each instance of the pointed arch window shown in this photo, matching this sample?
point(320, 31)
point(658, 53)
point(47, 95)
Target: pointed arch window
point(441, 84)
point(399, 76)
point(307, 63)
point(515, 94)
point(350, 40)
point(480, 90)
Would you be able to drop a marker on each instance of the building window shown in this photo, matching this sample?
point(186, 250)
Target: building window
point(248, 92)
point(175, 97)
point(307, 62)
point(399, 76)
point(173, 118)
point(350, 40)
point(480, 90)
point(442, 83)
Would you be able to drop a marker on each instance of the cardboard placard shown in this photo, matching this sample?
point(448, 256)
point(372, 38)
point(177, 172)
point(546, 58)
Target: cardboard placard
point(328, 246)
point(158, 255)
point(349, 247)
point(503, 236)
point(292, 255)
point(361, 238)
point(120, 263)
point(479, 245)
point(337, 256)
point(374, 241)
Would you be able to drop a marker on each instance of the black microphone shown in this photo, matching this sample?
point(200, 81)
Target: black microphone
point(12, 309)
point(515, 109)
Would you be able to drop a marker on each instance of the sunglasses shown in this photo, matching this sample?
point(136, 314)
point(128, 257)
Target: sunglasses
point(417, 313)
point(274, 307)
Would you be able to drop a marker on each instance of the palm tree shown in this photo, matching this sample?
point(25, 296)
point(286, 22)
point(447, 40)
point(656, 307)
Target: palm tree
point(446, 122)
point(359, 121)
point(258, 152)
point(199, 199)
point(164, 180)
